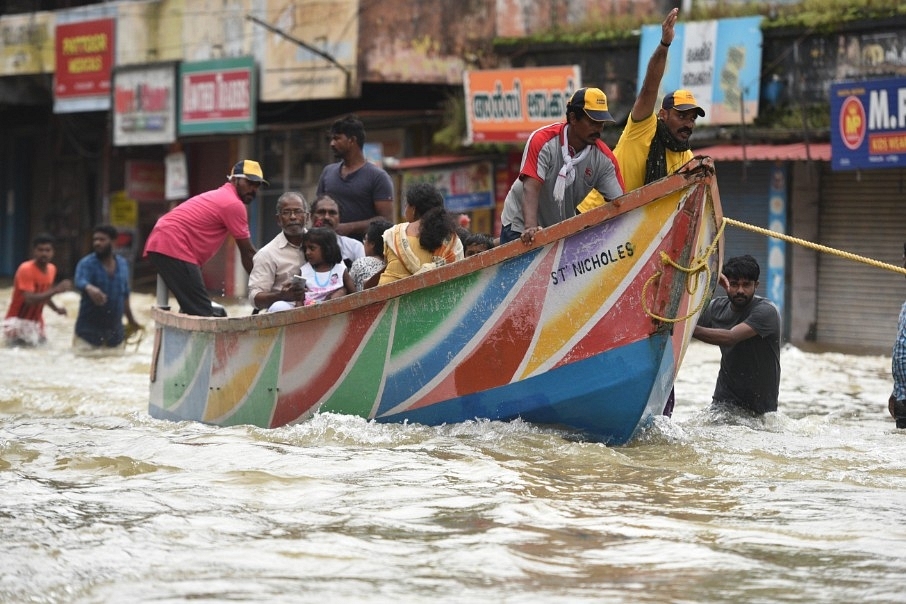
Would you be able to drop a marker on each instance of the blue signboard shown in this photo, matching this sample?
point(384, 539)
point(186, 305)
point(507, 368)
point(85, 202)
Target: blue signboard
point(719, 61)
point(868, 124)
point(777, 201)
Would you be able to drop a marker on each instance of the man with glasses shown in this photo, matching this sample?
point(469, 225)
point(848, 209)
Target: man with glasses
point(561, 163)
point(190, 234)
point(325, 212)
point(270, 279)
point(653, 146)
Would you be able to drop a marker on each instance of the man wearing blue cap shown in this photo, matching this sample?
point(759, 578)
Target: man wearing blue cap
point(561, 163)
point(191, 233)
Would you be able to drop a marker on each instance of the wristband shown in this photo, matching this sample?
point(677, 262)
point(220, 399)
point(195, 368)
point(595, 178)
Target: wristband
point(664, 44)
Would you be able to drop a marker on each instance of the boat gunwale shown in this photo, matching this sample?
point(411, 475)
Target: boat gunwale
point(699, 170)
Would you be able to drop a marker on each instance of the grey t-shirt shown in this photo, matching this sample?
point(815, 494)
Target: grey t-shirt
point(542, 160)
point(749, 370)
point(357, 192)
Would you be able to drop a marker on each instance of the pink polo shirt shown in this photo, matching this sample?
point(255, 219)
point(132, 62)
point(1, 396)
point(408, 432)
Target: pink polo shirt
point(194, 230)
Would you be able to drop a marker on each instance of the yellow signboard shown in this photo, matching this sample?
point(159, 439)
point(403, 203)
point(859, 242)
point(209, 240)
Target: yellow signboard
point(123, 211)
point(26, 44)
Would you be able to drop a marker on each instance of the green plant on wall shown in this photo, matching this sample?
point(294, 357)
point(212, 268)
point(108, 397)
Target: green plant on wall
point(815, 15)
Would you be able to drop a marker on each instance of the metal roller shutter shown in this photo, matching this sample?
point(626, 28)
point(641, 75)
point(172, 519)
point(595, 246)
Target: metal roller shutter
point(863, 213)
point(744, 197)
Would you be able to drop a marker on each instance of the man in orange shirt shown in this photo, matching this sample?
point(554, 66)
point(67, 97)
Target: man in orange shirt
point(33, 287)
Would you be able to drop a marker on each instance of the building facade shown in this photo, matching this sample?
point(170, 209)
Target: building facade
point(67, 163)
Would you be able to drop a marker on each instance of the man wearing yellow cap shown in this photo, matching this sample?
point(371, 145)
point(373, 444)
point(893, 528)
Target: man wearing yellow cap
point(191, 233)
point(653, 146)
point(561, 163)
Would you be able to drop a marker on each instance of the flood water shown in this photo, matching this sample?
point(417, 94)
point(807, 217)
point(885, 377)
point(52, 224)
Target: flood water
point(101, 503)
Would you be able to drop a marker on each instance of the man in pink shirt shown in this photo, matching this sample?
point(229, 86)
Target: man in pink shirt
point(191, 233)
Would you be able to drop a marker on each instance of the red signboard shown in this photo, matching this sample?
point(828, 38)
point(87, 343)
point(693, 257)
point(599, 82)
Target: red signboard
point(222, 95)
point(217, 96)
point(84, 55)
point(507, 105)
point(145, 180)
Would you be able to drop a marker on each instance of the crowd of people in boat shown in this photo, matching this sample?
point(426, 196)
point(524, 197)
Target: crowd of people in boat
point(320, 254)
point(334, 265)
point(346, 241)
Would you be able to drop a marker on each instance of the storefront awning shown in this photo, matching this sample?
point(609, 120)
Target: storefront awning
point(409, 163)
point(792, 152)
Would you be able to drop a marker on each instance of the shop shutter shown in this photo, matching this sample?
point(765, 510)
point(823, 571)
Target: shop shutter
point(863, 213)
point(744, 197)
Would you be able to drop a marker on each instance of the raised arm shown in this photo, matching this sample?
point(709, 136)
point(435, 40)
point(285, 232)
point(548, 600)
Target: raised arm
point(647, 99)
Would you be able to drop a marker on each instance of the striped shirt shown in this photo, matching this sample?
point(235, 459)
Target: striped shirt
point(898, 362)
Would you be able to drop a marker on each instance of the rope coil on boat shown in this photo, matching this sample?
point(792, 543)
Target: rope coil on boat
point(693, 271)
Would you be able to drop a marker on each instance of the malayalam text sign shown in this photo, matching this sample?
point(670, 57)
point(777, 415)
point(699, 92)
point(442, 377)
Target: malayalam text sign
point(507, 105)
point(719, 61)
point(868, 124)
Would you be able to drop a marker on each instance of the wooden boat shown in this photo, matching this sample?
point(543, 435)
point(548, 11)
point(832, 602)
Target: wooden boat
point(584, 329)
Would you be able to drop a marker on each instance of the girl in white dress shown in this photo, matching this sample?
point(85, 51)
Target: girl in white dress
point(366, 271)
point(324, 272)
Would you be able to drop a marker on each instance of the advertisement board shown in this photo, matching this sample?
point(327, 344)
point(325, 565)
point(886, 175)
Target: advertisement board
point(719, 61)
point(868, 124)
point(25, 44)
point(84, 59)
point(465, 187)
point(144, 105)
point(217, 96)
point(294, 62)
point(507, 105)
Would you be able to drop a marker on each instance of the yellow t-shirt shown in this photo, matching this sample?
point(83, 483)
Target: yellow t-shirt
point(632, 155)
point(396, 270)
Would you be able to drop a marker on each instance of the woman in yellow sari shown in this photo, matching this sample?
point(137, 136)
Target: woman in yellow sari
point(427, 241)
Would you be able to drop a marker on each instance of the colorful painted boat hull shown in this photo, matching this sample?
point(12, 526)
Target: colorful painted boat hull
point(586, 330)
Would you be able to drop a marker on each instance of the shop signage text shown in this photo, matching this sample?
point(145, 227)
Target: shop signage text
point(84, 57)
point(868, 124)
point(217, 96)
point(507, 105)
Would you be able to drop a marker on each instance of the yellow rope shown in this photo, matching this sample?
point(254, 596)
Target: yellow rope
point(133, 336)
point(700, 263)
point(816, 246)
point(696, 266)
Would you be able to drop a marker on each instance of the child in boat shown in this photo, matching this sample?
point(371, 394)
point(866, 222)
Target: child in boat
point(325, 275)
point(366, 271)
point(477, 243)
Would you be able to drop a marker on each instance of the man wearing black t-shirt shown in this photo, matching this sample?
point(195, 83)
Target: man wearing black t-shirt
point(747, 329)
